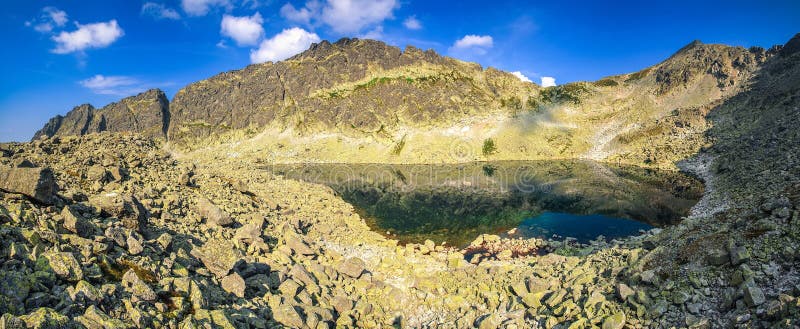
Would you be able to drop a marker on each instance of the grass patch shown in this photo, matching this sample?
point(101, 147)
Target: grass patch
point(489, 147)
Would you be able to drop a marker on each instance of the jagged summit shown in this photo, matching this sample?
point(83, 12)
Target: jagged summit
point(146, 113)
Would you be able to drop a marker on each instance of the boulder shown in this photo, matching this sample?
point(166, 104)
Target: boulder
point(739, 255)
point(717, 257)
point(75, 223)
point(137, 287)
point(95, 318)
point(123, 207)
point(233, 283)
point(63, 264)
point(23, 163)
point(615, 321)
point(218, 255)
point(45, 317)
point(352, 267)
point(212, 214)
point(753, 295)
point(38, 184)
point(624, 291)
point(287, 315)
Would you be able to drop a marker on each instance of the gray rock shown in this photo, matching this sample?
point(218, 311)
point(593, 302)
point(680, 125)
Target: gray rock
point(718, 257)
point(753, 295)
point(212, 214)
point(36, 183)
point(233, 283)
point(219, 256)
point(134, 243)
point(75, 223)
point(648, 276)
point(739, 255)
point(352, 267)
point(623, 291)
point(123, 207)
point(137, 287)
point(63, 264)
point(146, 113)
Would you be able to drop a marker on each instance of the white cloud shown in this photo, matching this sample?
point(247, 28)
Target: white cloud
point(112, 85)
point(59, 17)
point(303, 15)
point(374, 34)
point(283, 45)
point(342, 16)
point(97, 35)
point(50, 18)
point(470, 41)
point(521, 76)
point(245, 30)
point(201, 7)
point(412, 23)
point(351, 16)
point(159, 11)
point(548, 82)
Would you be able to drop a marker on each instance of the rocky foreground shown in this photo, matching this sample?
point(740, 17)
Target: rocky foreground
point(112, 231)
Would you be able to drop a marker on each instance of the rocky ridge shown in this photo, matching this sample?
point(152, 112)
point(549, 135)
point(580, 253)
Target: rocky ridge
point(147, 114)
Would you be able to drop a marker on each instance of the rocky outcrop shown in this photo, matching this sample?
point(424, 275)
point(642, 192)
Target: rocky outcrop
point(354, 86)
point(36, 183)
point(146, 113)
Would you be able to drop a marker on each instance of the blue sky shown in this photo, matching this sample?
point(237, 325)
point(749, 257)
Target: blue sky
point(59, 54)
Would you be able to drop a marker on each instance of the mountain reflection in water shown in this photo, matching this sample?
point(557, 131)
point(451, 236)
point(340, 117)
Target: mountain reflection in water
point(457, 202)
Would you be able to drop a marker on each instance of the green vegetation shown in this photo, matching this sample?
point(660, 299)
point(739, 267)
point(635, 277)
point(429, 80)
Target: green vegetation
point(489, 170)
point(569, 93)
point(606, 83)
point(488, 147)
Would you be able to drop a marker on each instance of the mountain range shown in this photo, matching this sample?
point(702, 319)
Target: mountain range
point(365, 101)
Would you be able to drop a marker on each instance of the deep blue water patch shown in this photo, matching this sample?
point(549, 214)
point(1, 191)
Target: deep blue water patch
point(584, 228)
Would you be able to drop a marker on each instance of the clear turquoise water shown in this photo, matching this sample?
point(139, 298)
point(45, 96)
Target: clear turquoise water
point(584, 228)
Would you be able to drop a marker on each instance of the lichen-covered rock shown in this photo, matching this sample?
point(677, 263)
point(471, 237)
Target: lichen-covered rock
point(219, 256)
point(94, 318)
point(137, 287)
point(63, 264)
point(46, 318)
point(36, 183)
point(615, 321)
point(287, 315)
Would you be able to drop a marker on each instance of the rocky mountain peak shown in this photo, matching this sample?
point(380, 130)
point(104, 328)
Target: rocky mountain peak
point(146, 113)
point(792, 46)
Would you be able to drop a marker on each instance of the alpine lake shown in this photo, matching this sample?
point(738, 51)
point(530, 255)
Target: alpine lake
point(455, 203)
